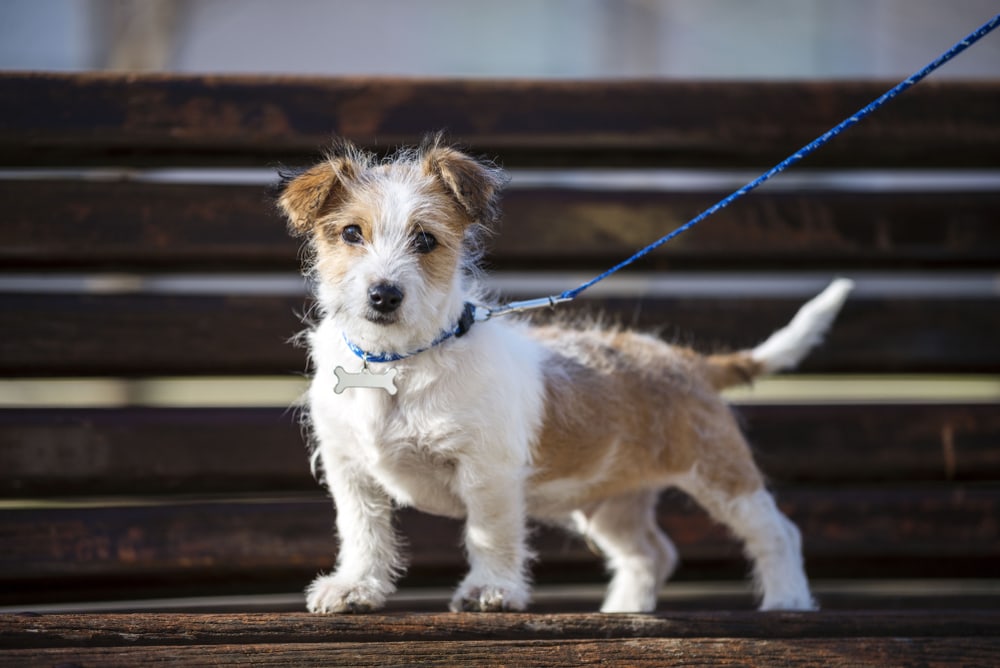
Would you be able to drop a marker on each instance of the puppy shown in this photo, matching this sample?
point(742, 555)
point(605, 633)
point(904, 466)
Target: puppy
point(413, 403)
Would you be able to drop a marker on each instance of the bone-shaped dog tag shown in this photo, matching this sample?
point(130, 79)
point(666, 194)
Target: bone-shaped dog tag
point(365, 378)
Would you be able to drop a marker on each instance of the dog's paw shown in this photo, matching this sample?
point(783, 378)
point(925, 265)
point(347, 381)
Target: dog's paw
point(330, 594)
point(488, 599)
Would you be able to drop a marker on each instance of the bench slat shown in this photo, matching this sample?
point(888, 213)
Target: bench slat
point(66, 452)
point(155, 334)
point(848, 532)
point(121, 119)
point(151, 629)
point(174, 227)
point(642, 652)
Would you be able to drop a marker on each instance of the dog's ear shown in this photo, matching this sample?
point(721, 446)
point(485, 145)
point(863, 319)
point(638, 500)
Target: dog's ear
point(304, 196)
point(475, 185)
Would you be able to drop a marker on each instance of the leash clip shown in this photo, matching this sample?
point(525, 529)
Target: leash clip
point(483, 314)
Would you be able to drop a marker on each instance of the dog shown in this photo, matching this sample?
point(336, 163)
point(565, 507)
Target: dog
point(415, 403)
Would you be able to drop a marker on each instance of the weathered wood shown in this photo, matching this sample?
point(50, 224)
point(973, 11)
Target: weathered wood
point(155, 119)
point(61, 452)
point(831, 443)
point(168, 227)
point(72, 224)
point(652, 652)
point(150, 334)
point(150, 629)
point(848, 532)
point(65, 452)
point(136, 335)
point(588, 229)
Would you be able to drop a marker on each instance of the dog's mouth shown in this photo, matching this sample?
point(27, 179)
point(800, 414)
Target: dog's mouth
point(378, 318)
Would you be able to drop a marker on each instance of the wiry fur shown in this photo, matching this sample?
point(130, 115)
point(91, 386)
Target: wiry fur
point(579, 427)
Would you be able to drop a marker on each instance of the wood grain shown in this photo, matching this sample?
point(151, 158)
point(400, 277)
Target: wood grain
point(176, 334)
point(653, 652)
point(146, 629)
point(57, 119)
point(143, 226)
point(212, 545)
point(70, 452)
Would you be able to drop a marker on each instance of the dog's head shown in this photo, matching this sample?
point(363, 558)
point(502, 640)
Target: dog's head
point(392, 240)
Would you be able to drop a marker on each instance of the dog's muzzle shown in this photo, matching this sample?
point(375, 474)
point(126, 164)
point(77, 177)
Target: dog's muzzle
point(384, 299)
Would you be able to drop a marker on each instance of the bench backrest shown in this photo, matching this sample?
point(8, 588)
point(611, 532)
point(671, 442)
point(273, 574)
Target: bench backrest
point(132, 202)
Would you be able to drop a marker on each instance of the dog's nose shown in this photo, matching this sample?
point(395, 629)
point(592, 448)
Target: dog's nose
point(385, 297)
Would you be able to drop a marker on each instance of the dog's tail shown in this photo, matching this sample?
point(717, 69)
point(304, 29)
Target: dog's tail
point(786, 347)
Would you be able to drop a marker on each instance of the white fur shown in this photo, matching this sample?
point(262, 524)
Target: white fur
point(457, 441)
point(771, 542)
point(789, 345)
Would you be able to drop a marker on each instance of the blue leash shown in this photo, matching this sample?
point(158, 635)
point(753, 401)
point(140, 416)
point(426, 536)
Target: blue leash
point(568, 295)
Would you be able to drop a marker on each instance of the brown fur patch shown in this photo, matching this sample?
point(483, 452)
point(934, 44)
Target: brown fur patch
point(731, 369)
point(309, 195)
point(474, 185)
point(627, 411)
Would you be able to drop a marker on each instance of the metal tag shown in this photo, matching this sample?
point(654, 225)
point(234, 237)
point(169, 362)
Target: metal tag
point(365, 378)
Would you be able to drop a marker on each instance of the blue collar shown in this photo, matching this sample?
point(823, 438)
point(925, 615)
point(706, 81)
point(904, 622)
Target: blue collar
point(459, 330)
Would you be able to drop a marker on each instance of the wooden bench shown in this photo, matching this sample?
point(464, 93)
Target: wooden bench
point(131, 203)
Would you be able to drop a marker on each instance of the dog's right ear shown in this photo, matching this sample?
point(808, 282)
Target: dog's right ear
point(303, 197)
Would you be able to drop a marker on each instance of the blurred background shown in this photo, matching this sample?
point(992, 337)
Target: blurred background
point(514, 38)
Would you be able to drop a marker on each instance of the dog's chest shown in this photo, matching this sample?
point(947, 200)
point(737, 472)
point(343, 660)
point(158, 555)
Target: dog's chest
point(419, 477)
point(411, 454)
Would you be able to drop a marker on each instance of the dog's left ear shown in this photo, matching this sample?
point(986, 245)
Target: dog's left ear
point(475, 185)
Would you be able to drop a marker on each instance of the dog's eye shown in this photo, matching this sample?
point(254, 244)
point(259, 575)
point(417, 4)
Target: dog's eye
point(352, 235)
point(424, 242)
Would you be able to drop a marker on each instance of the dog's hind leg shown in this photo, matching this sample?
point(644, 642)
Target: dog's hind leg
point(770, 541)
point(639, 554)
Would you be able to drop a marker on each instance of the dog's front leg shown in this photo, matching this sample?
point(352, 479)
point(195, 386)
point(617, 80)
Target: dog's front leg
point(495, 538)
point(369, 558)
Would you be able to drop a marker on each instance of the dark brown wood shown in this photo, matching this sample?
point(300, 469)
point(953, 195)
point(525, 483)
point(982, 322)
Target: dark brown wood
point(550, 228)
point(150, 334)
point(151, 629)
point(880, 442)
point(848, 532)
point(141, 334)
point(137, 225)
point(652, 652)
point(168, 227)
point(154, 119)
point(61, 452)
point(65, 452)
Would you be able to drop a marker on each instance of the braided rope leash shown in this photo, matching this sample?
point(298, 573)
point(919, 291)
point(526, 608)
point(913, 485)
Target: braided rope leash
point(568, 295)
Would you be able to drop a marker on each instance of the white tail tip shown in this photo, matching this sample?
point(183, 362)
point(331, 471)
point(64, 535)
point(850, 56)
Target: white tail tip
point(789, 345)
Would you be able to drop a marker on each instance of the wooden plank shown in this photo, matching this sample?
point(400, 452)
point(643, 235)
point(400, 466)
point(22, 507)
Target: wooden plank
point(652, 652)
point(875, 442)
point(66, 452)
point(142, 334)
point(168, 227)
point(154, 119)
point(555, 228)
point(167, 334)
point(152, 629)
point(213, 545)
point(63, 452)
point(135, 225)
